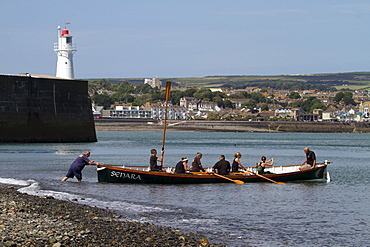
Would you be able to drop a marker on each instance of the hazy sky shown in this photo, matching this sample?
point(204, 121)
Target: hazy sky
point(188, 38)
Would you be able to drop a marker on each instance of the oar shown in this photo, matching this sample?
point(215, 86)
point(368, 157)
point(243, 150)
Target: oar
point(266, 178)
point(168, 89)
point(235, 181)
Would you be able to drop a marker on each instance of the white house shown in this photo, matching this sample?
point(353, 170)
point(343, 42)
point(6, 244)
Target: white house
point(129, 112)
point(173, 112)
point(154, 82)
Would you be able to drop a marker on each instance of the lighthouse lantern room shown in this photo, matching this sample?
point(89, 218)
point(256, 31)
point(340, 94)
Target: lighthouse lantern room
point(64, 50)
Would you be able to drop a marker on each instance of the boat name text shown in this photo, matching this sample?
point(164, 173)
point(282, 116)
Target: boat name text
point(125, 175)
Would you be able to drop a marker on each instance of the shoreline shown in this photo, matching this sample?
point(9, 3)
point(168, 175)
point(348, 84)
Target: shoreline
point(232, 126)
point(27, 220)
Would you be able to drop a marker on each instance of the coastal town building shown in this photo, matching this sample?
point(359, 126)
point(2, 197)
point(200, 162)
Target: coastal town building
point(189, 103)
point(97, 111)
point(148, 111)
point(154, 82)
point(193, 104)
point(348, 115)
point(273, 107)
point(329, 116)
point(173, 112)
point(265, 115)
point(129, 112)
point(237, 103)
point(364, 108)
point(289, 112)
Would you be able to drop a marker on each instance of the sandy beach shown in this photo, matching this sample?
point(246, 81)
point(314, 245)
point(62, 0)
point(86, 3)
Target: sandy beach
point(27, 220)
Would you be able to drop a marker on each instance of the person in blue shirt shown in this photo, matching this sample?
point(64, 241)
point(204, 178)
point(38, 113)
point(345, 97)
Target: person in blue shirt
point(75, 170)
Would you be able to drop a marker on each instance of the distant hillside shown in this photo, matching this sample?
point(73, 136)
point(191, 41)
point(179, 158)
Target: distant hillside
point(352, 81)
point(334, 81)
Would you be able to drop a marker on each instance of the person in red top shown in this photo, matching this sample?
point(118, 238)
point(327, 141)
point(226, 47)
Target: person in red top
point(75, 170)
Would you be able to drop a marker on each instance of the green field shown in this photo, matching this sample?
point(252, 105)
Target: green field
point(352, 81)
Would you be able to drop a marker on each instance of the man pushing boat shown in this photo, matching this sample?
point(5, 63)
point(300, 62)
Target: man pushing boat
point(78, 165)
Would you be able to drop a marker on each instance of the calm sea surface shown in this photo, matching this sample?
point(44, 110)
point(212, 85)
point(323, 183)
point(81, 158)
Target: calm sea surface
point(261, 214)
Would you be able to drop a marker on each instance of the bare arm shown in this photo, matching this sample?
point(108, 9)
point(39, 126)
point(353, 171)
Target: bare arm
point(314, 164)
point(240, 164)
point(314, 159)
point(161, 158)
point(93, 163)
point(200, 166)
point(270, 162)
point(304, 162)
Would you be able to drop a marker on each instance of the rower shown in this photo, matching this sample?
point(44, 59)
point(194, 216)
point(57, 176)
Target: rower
point(236, 163)
point(196, 165)
point(222, 166)
point(154, 159)
point(181, 166)
point(262, 165)
point(310, 161)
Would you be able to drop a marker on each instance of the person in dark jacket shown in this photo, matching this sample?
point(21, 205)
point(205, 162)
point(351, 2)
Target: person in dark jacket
point(196, 165)
point(182, 165)
point(222, 167)
point(153, 161)
point(310, 161)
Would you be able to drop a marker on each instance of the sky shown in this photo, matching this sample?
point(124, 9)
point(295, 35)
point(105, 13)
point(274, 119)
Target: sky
point(187, 38)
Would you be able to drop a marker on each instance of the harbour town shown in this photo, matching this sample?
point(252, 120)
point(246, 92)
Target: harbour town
point(184, 123)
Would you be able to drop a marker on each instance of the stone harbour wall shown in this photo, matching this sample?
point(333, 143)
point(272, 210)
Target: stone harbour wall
point(45, 110)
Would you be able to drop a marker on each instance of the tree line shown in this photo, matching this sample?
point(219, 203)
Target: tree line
point(105, 94)
point(282, 85)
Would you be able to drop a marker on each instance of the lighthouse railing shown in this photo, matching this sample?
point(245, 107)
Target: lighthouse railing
point(68, 48)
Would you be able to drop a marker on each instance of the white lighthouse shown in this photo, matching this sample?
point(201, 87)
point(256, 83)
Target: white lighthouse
point(64, 50)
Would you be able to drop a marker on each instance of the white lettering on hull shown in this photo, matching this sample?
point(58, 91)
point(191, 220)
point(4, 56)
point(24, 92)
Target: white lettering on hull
point(125, 175)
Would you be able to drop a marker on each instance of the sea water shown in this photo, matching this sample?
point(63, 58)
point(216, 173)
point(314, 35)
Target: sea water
point(310, 213)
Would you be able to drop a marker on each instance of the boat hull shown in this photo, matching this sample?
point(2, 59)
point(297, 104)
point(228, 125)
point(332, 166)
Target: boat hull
point(116, 174)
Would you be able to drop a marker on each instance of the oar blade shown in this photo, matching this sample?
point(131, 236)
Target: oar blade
point(269, 179)
point(232, 180)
